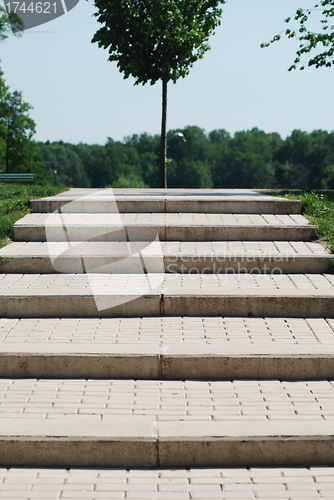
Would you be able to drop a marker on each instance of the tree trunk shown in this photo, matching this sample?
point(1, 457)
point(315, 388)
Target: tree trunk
point(163, 143)
point(7, 151)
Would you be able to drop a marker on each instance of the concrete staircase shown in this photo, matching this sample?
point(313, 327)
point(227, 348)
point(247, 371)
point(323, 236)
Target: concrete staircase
point(193, 365)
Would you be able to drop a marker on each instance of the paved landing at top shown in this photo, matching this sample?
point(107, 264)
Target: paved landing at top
point(158, 192)
point(166, 200)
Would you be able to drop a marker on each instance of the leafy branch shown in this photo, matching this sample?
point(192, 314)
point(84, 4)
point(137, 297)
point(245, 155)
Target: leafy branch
point(310, 41)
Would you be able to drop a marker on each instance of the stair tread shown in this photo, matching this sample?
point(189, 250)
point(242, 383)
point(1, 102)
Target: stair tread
point(91, 484)
point(167, 284)
point(156, 193)
point(166, 335)
point(284, 249)
point(166, 226)
point(161, 219)
point(117, 200)
point(152, 423)
point(159, 294)
point(239, 403)
point(167, 348)
point(170, 257)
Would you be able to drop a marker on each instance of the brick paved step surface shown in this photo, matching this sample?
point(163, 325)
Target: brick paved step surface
point(98, 295)
point(168, 348)
point(135, 423)
point(168, 227)
point(169, 257)
point(209, 201)
point(289, 483)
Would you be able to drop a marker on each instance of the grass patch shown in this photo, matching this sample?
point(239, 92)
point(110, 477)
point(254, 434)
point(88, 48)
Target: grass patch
point(319, 209)
point(14, 204)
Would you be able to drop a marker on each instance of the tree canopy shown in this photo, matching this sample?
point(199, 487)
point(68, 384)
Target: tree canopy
point(317, 46)
point(155, 40)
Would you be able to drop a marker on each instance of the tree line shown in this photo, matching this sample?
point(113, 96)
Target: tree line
point(246, 159)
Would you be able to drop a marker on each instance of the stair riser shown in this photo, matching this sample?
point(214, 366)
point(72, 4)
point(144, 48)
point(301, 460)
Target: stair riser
point(166, 367)
point(236, 452)
point(254, 265)
point(168, 206)
point(86, 452)
point(186, 264)
point(199, 233)
point(76, 307)
point(69, 306)
point(98, 366)
point(248, 306)
point(144, 453)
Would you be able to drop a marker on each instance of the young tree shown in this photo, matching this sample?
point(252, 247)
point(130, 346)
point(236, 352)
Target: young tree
point(310, 41)
point(155, 40)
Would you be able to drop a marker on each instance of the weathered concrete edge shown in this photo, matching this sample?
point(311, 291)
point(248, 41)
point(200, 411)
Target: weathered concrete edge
point(301, 264)
point(168, 452)
point(169, 205)
point(307, 232)
point(167, 366)
point(243, 304)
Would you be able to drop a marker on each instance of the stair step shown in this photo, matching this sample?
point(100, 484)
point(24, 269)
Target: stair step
point(288, 483)
point(169, 257)
point(135, 423)
point(106, 295)
point(168, 348)
point(166, 227)
point(217, 201)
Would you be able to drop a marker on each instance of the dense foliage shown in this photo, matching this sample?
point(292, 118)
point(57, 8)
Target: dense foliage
point(156, 40)
point(246, 159)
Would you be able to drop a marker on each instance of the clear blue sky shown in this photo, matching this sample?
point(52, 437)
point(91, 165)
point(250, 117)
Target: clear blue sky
point(78, 96)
